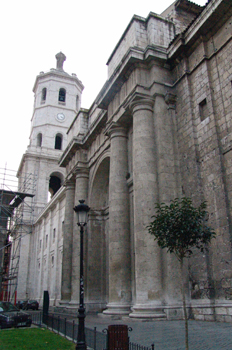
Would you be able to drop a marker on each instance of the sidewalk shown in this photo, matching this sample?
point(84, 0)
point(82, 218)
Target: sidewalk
point(169, 335)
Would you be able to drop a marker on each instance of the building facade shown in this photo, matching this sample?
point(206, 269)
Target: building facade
point(160, 128)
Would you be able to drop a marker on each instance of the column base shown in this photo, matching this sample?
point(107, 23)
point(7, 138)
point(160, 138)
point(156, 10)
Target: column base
point(64, 303)
point(148, 311)
point(117, 309)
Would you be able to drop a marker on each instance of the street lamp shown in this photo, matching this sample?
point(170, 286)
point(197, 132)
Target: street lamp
point(81, 211)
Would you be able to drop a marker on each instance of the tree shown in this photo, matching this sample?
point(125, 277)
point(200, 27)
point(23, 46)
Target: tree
point(180, 227)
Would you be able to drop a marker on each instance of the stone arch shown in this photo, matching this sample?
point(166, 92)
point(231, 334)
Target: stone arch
point(56, 180)
point(97, 237)
point(99, 188)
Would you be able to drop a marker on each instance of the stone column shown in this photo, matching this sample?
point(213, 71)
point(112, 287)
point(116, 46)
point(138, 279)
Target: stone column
point(67, 243)
point(148, 283)
point(119, 228)
point(81, 192)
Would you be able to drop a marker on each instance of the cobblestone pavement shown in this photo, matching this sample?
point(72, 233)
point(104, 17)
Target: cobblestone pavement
point(169, 335)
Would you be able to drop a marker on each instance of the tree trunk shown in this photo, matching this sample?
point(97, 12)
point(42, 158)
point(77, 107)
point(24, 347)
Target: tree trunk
point(184, 306)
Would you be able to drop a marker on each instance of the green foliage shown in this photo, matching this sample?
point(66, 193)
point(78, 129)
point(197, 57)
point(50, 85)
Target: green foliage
point(180, 226)
point(33, 338)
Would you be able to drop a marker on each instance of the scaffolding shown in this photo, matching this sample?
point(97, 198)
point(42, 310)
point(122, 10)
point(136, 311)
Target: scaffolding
point(16, 220)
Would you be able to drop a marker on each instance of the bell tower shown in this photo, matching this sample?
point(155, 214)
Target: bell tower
point(57, 99)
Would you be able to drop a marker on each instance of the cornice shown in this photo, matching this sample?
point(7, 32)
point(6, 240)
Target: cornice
point(129, 62)
point(57, 74)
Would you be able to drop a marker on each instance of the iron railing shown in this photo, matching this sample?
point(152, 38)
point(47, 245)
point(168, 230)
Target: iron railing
point(94, 339)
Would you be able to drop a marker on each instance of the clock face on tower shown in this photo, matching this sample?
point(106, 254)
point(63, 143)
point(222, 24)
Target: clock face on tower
point(60, 117)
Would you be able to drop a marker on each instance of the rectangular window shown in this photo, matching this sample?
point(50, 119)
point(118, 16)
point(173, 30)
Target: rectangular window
point(203, 109)
point(54, 234)
point(62, 228)
point(46, 240)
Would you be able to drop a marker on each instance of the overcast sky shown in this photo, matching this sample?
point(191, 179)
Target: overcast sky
point(33, 32)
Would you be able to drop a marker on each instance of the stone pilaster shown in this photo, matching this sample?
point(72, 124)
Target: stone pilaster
point(67, 243)
point(148, 270)
point(168, 188)
point(81, 192)
point(119, 228)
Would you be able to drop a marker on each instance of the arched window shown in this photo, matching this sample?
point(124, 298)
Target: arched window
point(44, 95)
point(58, 141)
point(55, 182)
point(62, 95)
point(39, 140)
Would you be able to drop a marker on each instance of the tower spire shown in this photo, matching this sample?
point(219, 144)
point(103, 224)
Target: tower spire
point(60, 58)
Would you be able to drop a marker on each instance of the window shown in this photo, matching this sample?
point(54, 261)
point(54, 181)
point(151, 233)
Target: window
point(62, 95)
point(58, 141)
point(62, 228)
point(39, 140)
point(44, 95)
point(54, 234)
point(77, 103)
point(46, 240)
point(52, 260)
point(203, 109)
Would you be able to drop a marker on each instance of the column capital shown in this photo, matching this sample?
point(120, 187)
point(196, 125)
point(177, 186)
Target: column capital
point(141, 102)
point(170, 99)
point(81, 171)
point(69, 183)
point(115, 130)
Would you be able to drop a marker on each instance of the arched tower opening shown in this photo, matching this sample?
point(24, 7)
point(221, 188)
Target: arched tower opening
point(58, 141)
point(44, 95)
point(39, 140)
point(62, 95)
point(55, 183)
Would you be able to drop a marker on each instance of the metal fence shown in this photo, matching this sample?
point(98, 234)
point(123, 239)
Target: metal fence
point(94, 339)
point(134, 346)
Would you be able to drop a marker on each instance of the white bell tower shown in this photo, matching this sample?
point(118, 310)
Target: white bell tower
point(57, 99)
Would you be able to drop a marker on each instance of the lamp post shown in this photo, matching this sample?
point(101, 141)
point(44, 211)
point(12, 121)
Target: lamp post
point(81, 211)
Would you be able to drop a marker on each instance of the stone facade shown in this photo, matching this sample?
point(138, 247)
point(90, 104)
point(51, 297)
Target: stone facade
point(160, 128)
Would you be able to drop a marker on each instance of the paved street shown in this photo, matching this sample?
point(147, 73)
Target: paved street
point(169, 335)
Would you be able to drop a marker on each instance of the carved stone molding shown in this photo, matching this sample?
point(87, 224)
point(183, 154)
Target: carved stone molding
point(170, 99)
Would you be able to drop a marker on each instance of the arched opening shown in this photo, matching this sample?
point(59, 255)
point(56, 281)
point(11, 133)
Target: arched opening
point(62, 95)
point(96, 242)
point(55, 183)
point(58, 141)
point(39, 140)
point(44, 95)
point(100, 188)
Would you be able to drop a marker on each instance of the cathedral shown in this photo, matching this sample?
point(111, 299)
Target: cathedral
point(160, 128)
